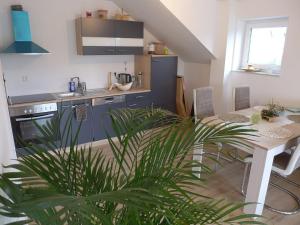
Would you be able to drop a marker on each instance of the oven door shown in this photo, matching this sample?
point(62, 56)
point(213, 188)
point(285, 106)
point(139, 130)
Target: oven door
point(26, 127)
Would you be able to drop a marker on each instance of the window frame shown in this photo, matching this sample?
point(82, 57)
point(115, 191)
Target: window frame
point(260, 23)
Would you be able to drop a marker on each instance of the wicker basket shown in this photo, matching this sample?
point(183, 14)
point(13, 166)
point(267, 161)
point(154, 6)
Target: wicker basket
point(159, 48)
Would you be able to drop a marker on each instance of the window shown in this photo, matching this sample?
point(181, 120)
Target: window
point(264, 45)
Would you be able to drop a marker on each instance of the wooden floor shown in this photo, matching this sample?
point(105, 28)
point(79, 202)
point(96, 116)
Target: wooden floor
point(226, 184)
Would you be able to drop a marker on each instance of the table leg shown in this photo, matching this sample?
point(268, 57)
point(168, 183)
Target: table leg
point(258, 181)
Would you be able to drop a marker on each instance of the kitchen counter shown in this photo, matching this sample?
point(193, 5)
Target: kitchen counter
point(92, 93)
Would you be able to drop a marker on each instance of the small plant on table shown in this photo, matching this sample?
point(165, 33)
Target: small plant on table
point(274, 110)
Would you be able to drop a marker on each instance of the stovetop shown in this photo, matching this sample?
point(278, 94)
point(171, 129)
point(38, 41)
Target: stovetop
point(30, 98)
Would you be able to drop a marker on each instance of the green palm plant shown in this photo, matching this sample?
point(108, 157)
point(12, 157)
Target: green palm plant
point(148, 181)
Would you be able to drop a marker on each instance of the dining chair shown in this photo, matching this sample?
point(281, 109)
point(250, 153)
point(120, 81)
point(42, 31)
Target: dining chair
point(284, 165)
point(241, 98)
point(203, 102)
point(204, 107)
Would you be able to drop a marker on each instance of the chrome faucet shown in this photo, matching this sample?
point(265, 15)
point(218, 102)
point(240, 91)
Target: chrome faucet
point(80, 87)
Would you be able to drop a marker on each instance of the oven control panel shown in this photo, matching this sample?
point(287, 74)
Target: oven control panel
point(32, 109)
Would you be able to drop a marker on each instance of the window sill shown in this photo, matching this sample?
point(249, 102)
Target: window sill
point(257, 73)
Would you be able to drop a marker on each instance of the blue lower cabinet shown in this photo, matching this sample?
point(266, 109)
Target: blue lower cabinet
point(139, 100)
point(138, 105)
point(102, 124)
point(81, 116)
point(100, 118)
point(93, 116)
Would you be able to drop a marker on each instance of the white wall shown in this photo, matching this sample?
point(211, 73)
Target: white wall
point(7, 152)
point(149, 37)
point(199, 16)
point(285, 88)
point(51, 73)
point(53, 27)
point(217, 72)
point(161, 22)
point(196, 75)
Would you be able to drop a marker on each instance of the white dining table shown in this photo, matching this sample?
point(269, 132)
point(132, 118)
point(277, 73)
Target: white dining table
point(264, 149)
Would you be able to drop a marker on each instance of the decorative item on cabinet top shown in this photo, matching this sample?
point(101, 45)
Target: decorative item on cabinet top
point(102, 14)
point(109, 37)
point(122, 16)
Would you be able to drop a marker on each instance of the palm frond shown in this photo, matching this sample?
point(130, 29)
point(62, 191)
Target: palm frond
point(148, 181)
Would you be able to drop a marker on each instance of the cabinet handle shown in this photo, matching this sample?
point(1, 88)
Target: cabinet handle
point(35, 118)
point(109, 50)
point(140, 96)
point(122, 51)
point(74, 106)
point(132, 105)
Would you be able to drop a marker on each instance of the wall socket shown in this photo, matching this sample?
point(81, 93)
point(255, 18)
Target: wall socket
point(24, 78)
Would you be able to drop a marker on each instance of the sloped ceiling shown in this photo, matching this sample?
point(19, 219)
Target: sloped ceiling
point(167, 28)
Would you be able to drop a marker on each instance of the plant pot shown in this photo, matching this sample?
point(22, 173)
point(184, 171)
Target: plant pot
point(270, 119)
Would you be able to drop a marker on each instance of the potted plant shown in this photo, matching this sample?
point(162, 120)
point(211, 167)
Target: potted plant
point(272, 112)
point(148, 181)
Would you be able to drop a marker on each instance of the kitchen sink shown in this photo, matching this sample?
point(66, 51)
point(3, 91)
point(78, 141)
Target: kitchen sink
point(89, 93)
point(68, 95)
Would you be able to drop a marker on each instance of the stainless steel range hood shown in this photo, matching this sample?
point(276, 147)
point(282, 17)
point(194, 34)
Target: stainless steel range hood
point(23, 42)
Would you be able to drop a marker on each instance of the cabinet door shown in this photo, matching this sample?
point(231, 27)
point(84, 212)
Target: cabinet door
point(139, 105)
point(69, 113)
point(97, 37)
point(98, 50)
point(85, 134)
point(139, 100)
point(109, 37)
point(99, 116)
point(163, 82)
point(94, 27)
point(130, 36)
point(102, 121)
point(129, 50)
point(129, 29)
point(65, 111)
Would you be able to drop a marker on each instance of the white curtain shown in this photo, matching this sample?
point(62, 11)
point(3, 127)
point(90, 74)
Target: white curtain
point(7, 147)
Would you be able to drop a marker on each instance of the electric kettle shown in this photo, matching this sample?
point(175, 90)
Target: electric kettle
point(123, 78)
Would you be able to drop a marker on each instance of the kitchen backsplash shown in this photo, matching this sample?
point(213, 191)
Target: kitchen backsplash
point(34, 74)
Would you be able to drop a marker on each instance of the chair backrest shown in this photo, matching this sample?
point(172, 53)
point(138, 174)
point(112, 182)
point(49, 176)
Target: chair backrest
point(294, 162)
point(241, 98)
point(203, 102)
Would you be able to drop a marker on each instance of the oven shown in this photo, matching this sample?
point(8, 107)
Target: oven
point(26, 119)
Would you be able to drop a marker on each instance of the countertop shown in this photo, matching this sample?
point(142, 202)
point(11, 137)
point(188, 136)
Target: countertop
point(92, 93)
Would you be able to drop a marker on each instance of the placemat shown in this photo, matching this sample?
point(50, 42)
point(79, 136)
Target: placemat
point(234, 118)
point(276, 132)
